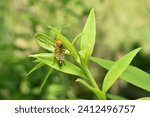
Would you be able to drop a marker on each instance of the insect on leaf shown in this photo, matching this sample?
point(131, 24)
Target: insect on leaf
point(67, 44)
point(69, 68)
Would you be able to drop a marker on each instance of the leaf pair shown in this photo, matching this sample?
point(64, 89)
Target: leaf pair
point(131, 74)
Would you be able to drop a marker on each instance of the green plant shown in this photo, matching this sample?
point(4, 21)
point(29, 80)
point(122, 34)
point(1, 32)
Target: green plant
point(117, 69)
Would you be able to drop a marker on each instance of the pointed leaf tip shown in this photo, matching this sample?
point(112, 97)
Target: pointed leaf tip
point(88, 38)
point(117, 69)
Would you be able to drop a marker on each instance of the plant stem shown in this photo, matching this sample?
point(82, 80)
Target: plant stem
point(99, 93)
point(86, 70)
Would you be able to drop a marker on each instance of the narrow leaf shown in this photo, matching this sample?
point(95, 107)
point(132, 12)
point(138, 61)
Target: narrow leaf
point(117, 69)
point(98, 93)
point(144, 98)
point(45, 79)
point(44, 41)
point(132, 74)
point(76, 38)
point(46, 46)
point(35, 68)
point(44, 38)
point(35, 61)
point(68, 67)
point(88, 37)
point(115, 97)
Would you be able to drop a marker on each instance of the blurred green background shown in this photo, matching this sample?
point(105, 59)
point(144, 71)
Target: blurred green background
point(121, 27)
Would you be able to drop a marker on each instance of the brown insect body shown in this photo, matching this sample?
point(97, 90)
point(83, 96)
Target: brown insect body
point(59, 51)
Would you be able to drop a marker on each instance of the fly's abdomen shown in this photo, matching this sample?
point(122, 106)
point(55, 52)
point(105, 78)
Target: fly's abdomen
point(60, 58)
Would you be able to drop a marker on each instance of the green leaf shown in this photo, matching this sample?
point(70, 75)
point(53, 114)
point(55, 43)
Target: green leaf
point(115, 97)
point(141, 80)
point(35, 61)
point(117, 69)
point(76, 38)
point(88, 38)
point(45, 79)
point(98, 93)
point(144, 98)
point(67, 44)
point(81, 56)
point(132, 74)
point(44, 41)
point(35, 68)
point(68, 67)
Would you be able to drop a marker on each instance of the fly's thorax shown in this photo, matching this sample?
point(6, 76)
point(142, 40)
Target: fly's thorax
point(58, 42)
